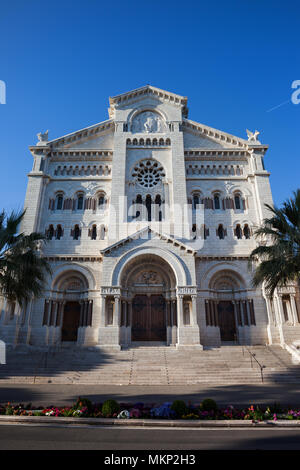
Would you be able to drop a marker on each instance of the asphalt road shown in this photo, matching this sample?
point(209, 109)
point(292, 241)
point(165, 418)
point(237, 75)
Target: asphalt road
point(60, 395)
point(37, 437)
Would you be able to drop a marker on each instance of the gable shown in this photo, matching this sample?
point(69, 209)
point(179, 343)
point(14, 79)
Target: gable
point(193, 141)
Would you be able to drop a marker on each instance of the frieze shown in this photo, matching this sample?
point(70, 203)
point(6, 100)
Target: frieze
point(110, 291)
point(187, 290)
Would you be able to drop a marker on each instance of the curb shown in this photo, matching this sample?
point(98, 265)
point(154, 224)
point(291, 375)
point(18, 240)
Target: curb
point(151, 423)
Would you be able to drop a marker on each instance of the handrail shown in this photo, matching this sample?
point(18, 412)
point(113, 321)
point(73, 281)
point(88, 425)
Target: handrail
point(252, 355)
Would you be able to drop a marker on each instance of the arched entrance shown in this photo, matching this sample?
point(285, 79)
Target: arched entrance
point(69, 308)
point(149, 318)
point(149, 306)
point(223, 309)
point(226, 320)
point(71, 321)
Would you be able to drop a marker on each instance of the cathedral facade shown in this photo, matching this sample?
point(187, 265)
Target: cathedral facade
point(150, 220)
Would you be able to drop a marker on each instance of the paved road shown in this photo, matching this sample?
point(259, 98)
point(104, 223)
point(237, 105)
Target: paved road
point(32, 437)
point(53, 394)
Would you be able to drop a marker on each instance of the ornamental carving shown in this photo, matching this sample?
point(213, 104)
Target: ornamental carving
point(148, 122)
point(149, 277)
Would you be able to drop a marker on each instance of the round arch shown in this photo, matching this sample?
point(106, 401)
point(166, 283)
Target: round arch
point(74, 270)
point(180, 270)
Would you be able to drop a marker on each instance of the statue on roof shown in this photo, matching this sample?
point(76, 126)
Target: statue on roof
point(252, 136)
point(43, 137)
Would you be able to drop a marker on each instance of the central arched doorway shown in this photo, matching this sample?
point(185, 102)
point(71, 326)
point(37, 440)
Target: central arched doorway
point(71, 321)
point(149, 318)
point(149, 306)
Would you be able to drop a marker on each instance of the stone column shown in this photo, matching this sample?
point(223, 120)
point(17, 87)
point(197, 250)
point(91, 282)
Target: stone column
point(116, 319)
point(235, 314)
point(180, 310)
point(102, 310)
point(194, 320)
point(280, 316)
point(248, 312)
point(294, 309)
point(129, 313)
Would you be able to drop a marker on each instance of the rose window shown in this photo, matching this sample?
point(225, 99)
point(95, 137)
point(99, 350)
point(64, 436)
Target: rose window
point(148, 173)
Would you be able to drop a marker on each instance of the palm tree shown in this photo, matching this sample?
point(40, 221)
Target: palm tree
point(279, 261)
point(22, 269)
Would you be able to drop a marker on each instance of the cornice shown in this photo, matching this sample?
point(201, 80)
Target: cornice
point(72, 155)
point(148, 90)
point(221, 137)
point(222, 257)
point(215, 154)
point(76, 136)
point(72, 258)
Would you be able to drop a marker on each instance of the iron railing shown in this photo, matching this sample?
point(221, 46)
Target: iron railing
point(253, 356)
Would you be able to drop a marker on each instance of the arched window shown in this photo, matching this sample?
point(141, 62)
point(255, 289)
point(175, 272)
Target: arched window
point(102, 232)
point(217, 201)
point(196, 201)
point(238, 232)
point(76, 232)
point(59, 232)
point(50, 232)
point(101, 202)
point(237, 201)
point(139, 203)
point(246, 231)
point(148, 207)
point(158, 212)
point(80, 202)
point(94, 232)
point(221, 232)
point(59, 202)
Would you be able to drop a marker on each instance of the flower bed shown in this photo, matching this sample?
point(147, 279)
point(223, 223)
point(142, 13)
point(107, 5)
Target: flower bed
point(207, 410)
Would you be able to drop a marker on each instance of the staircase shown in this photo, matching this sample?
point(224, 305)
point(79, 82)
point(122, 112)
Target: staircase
point(151, 365)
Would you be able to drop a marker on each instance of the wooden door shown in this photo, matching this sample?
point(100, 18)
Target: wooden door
point(148, 318)
point(226, 321)
point(71, 321)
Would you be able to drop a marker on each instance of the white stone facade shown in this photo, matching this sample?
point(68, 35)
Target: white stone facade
point(111, 200)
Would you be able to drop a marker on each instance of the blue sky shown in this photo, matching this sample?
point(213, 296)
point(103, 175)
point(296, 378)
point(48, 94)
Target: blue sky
point(235, 60)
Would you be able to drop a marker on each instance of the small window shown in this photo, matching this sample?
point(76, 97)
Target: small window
point(217, 201)
point(237, 201)
point(59, 203)
point(101, 202)
point(247, 232)
point(76, 234)
point(195, 201)
point(94, 233)
point(59, 232)
point(221, 232)
point(80, 203)
point(50, 232)
point(238, 232)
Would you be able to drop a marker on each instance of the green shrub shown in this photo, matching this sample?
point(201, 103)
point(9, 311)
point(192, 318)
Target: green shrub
point(110, 407)
point(179, 407)
point(83, 402)
point(208, 405)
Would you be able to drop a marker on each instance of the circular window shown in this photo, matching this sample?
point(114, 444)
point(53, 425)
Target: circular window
point(148, 173)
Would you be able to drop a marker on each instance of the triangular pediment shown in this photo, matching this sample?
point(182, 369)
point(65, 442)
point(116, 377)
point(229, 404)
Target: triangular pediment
point(200, 136)
point(141, 234)
point(147, 93)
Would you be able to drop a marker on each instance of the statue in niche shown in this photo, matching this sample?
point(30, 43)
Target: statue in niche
point(147, 122)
